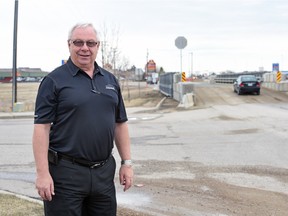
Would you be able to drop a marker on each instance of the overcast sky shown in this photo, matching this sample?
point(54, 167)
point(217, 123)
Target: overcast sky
point(222, 35)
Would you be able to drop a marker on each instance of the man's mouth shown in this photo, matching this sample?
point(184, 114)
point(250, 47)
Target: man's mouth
point(84, 56)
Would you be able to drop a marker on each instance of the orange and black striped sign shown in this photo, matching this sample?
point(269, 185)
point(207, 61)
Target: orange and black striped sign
point(278, 76)
point(183, 77)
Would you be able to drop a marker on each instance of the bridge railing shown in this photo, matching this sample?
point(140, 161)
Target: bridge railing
point(229, 78)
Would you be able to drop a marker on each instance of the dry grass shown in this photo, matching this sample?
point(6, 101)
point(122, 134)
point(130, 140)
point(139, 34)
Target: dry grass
point(11, 205)
point(26, 93)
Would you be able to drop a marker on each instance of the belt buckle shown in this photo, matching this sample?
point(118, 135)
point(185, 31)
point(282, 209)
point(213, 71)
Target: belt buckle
point(95, 165)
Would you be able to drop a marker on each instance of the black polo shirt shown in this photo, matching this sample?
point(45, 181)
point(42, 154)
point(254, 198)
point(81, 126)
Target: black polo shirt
point(82, 111)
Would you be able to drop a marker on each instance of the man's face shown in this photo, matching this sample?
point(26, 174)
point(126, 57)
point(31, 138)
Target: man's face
point(84, 54)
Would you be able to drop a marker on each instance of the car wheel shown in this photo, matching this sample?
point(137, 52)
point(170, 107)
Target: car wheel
point(258, 92)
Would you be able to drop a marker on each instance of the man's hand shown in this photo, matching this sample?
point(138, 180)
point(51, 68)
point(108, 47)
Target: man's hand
point(126, 176)
point(45, 186)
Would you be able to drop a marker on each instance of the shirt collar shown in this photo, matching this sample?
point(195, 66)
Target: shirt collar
point(74, 69)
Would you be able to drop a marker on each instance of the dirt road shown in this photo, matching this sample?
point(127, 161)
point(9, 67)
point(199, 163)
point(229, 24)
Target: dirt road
point(238, 169)
point(217, 94)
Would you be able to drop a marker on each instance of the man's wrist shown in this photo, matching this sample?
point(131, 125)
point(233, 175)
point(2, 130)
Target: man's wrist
point(126, 163)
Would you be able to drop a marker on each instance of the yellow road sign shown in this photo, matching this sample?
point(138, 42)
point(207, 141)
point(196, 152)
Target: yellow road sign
point(278, 76)
point(183, 77)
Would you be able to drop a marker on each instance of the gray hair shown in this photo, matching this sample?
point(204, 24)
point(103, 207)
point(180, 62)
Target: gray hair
point(82, 25)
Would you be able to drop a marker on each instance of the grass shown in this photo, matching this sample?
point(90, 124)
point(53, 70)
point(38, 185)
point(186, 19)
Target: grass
point(13, 205)
point(26, 93)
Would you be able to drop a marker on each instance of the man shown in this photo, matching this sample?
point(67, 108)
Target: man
point(79, 113)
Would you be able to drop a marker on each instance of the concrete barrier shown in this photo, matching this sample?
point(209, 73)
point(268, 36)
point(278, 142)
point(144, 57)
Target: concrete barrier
point(269, 81)
point(182, 88)
point(187, 100)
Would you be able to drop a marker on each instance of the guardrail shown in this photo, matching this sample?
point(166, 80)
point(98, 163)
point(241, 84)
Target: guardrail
point(231, 77)
point(224, 80)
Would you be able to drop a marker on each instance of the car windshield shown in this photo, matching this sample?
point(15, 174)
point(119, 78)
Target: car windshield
point(249, 78)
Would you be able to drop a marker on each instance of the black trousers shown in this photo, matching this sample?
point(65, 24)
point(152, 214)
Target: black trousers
point(82, 191)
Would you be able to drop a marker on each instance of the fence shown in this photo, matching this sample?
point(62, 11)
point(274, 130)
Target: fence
point(166, 83)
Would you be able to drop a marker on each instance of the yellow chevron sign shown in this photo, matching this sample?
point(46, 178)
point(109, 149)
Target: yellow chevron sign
point(278, 76)
point(183, 77)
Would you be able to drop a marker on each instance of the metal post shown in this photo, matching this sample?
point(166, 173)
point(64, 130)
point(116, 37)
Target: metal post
point(181, 61)
point(14, 71)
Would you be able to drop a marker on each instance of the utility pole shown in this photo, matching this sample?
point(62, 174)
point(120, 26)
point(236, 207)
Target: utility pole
point(146, 65)
point(14, 70)
point(147, 59)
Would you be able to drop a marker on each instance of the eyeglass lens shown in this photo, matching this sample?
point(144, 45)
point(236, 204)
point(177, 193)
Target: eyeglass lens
point(80, 43)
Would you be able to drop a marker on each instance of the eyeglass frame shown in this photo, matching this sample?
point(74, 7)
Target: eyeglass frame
point(95, 43)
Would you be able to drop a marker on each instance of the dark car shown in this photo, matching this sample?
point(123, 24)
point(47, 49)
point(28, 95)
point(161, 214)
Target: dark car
point(246, 84)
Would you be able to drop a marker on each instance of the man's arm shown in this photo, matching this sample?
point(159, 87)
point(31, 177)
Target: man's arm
point(122, 141)
point(44, 182)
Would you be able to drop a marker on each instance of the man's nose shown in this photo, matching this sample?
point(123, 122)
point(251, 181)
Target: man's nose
point(85, 47)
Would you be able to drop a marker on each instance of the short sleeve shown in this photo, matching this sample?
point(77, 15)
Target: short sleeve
point(46, 102)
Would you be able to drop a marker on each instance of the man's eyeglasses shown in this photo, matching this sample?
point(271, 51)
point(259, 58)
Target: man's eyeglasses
point(80, 43)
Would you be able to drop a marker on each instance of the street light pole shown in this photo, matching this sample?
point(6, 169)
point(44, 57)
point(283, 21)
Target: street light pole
point(191, 63)
point(14, 71)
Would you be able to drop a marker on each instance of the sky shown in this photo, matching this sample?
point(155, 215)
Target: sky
point(222, 35)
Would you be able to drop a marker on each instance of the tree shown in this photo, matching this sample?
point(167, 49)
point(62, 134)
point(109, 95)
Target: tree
point(112, 59)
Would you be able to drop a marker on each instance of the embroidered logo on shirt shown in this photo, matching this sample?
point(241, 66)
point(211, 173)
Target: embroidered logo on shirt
point(111, 87)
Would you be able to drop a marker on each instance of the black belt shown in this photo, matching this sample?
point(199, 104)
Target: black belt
point(83, 162)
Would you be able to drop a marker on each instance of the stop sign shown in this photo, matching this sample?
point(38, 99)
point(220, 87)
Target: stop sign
point(181, 42)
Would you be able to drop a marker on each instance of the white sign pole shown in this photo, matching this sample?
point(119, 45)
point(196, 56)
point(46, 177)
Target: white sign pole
point(181, 43)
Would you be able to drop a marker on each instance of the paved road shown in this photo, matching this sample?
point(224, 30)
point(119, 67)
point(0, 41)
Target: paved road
point(188, 162)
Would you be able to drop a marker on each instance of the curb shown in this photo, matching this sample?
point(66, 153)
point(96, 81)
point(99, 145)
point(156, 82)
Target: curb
point(158, 106)
point(16, 115)
point(22, 197)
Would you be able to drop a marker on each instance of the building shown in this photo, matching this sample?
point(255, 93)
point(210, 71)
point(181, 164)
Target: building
point(23, 74)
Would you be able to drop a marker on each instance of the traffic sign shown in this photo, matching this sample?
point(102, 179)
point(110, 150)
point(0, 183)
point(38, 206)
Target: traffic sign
point(275, 67)
point(183, 77)
point(278, 76)
point(181, 42)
